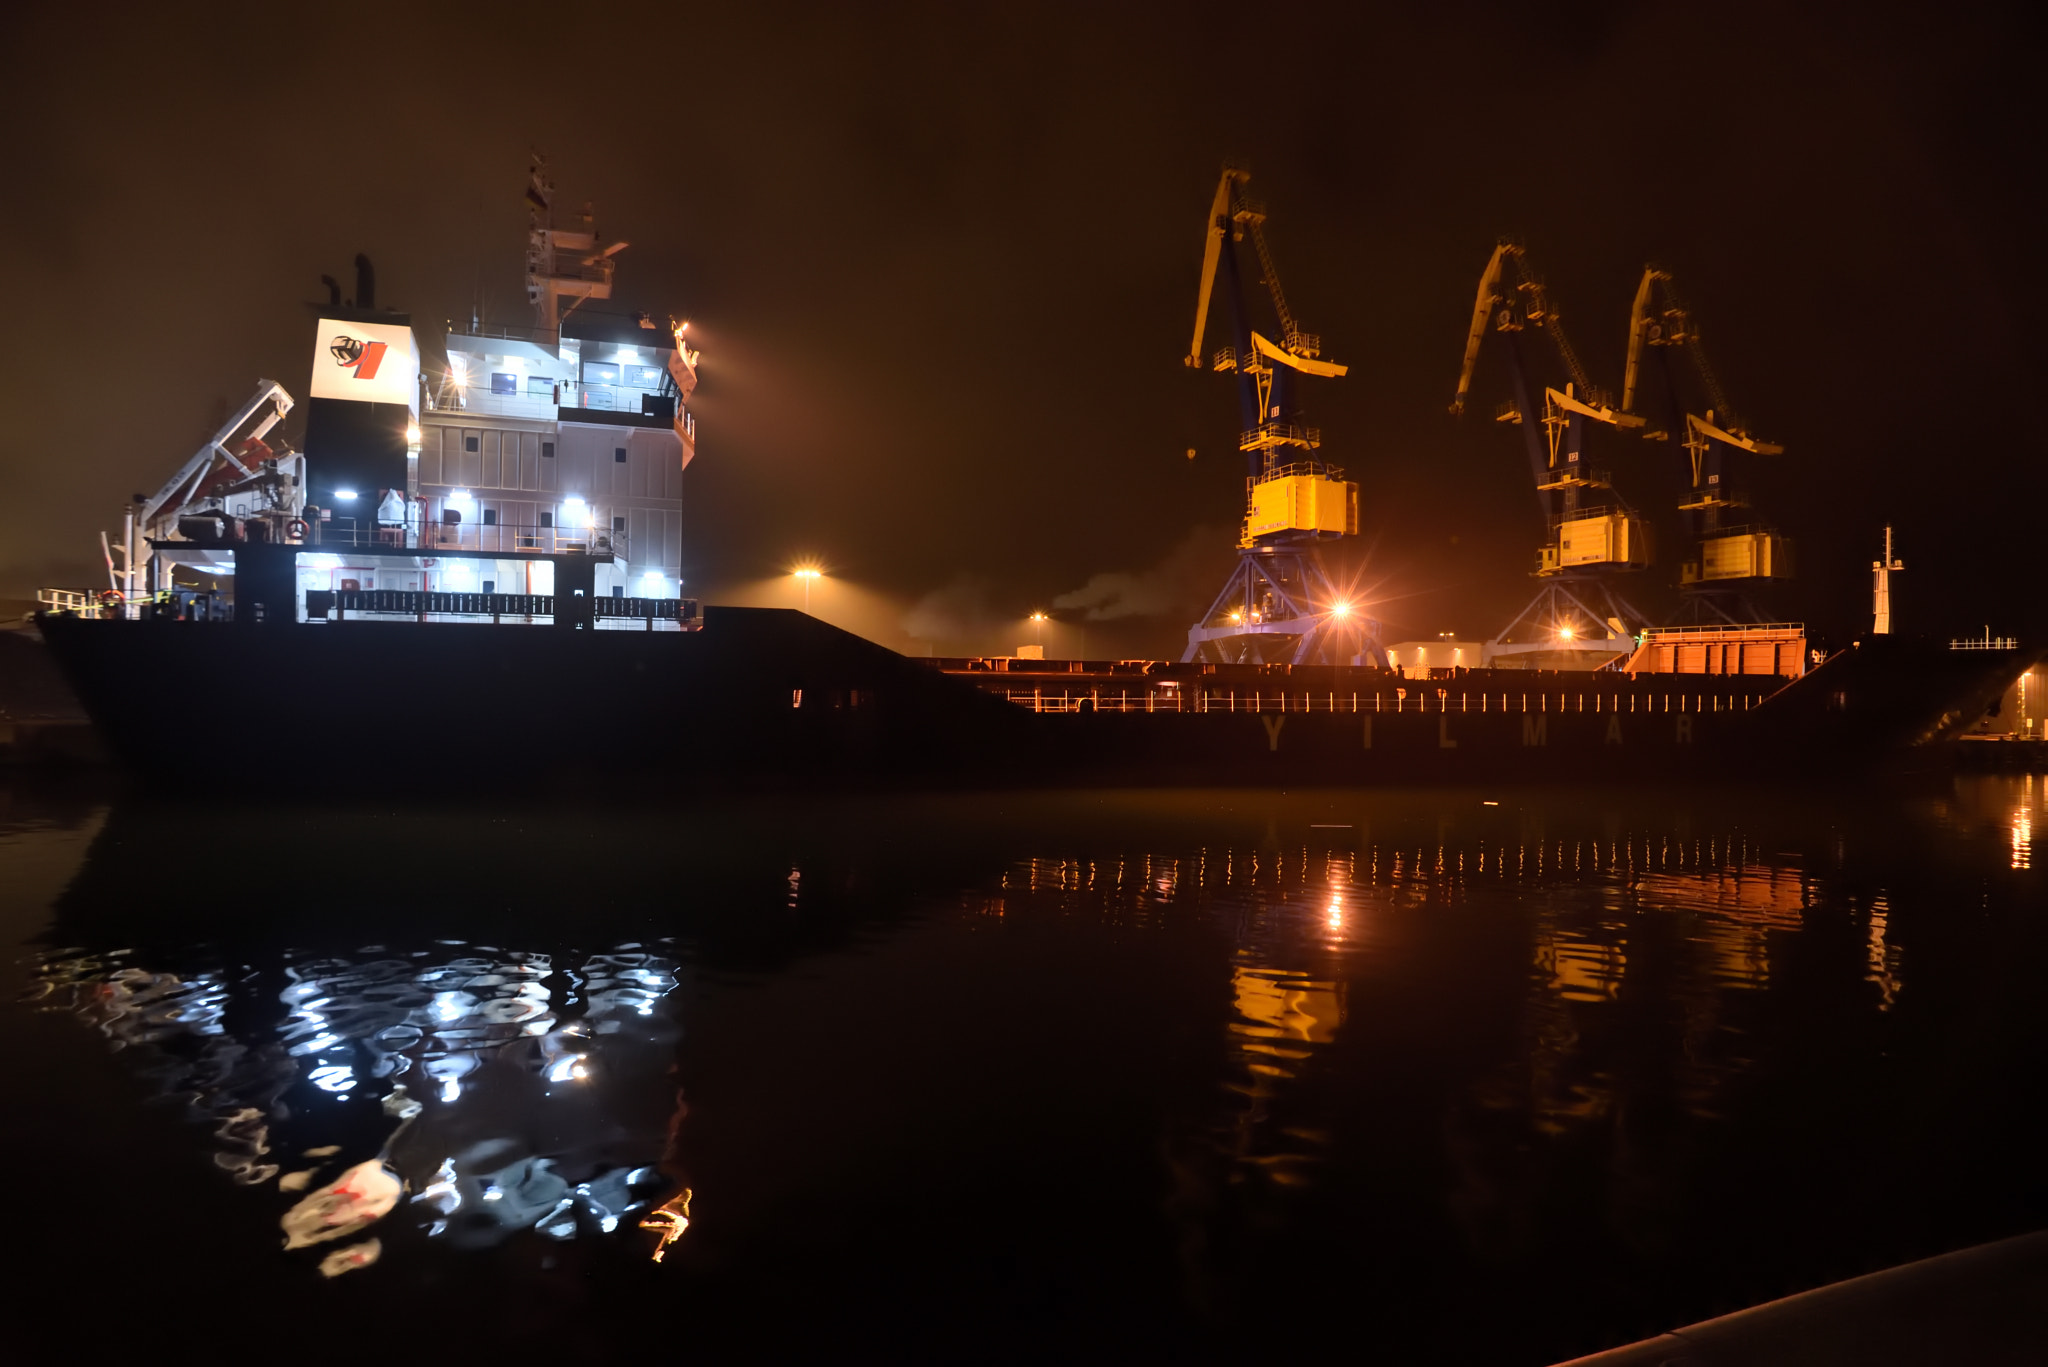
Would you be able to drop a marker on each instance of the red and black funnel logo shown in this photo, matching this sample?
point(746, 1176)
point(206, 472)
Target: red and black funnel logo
point(361, 357)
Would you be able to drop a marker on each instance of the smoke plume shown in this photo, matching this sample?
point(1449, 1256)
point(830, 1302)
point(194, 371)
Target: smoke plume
point(1178, 587)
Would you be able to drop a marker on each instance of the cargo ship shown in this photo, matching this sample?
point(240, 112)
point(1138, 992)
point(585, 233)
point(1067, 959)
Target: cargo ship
point(755, 695)
point(479, 578)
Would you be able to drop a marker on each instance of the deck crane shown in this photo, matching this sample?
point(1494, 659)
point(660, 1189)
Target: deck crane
point(1735, 554)
point(1279, 604)
point(233, 472)
point(1592, 534)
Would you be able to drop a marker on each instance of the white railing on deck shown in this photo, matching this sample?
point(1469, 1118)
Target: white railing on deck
point(1434, 701)
point(67, 600)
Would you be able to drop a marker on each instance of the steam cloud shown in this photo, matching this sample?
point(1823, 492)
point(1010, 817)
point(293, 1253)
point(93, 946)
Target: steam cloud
point(957, 612)
point(1180, 586)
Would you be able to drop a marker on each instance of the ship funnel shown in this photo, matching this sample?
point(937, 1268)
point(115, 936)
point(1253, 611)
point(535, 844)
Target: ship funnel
point(366, 283)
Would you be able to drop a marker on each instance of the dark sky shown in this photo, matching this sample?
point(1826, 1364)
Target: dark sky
point(942, 262)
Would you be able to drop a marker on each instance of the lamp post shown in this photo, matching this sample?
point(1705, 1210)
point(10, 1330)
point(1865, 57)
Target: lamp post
point(1038, 631)
point(808, 575)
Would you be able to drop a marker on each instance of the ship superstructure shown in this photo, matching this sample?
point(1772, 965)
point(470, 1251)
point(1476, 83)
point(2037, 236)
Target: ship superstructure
point(564, 438)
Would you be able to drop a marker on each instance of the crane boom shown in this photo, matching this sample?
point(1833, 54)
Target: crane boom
point(1544, 315)
point(1288, 331)
point(1670, 326)
point(1212, 251)
point(1638, 327)
point(1482, 313)
point(1536, 310)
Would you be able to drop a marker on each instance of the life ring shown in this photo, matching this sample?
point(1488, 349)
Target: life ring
point(297, 528)
point(112, 596)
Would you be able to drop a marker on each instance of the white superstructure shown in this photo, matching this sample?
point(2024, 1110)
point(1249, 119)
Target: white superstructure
point(572, 432)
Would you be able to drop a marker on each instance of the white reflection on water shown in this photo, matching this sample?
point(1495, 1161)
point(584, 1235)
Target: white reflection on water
point(468, 1055)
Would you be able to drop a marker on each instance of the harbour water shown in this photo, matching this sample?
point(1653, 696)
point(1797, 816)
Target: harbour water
point(1425, 1076)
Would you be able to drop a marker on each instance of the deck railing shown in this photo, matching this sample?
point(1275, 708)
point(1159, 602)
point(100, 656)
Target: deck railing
point(483, 537)
point(422, 605)
point(1411, 700)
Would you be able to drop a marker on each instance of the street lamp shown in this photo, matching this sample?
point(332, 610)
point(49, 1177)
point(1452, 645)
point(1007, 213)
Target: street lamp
point(1038, 620)
point(808, 575)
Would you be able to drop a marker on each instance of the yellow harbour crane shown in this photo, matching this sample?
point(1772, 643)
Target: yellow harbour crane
point(1592, 532)
point(1279, 604)
point(1735, 554)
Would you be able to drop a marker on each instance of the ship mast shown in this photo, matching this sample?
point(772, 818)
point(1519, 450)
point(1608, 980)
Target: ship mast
point(561, 264)
point(1881, 597)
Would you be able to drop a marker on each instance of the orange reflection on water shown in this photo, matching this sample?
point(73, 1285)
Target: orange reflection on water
point(1278, 1009)
point(1737, 909)
point(1579, 969)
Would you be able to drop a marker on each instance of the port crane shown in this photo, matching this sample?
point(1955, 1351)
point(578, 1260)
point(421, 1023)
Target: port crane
point(1735, 555)
point(1592, 533)
point(1279, 604)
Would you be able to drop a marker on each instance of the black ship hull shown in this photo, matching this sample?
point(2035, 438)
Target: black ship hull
point(768, 696)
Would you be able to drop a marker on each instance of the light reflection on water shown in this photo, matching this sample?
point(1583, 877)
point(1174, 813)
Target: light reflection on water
point(1305, 921)
point(1527, 1030)
point(462, 1055)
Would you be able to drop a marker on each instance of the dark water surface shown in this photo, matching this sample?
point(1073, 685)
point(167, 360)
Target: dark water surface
point(1412, 1077)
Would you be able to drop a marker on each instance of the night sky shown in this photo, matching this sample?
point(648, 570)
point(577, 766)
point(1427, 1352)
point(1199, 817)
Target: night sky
point(942, 264)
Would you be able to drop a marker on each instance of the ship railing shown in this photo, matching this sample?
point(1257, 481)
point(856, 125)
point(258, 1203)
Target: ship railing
point(482, 537)
point(1433, 701)
point(547, 337)
point(688, 612)
point(481, 401)
point(1718, 631)
point(67, 600)
point(425, 605)
point(1986, 642)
